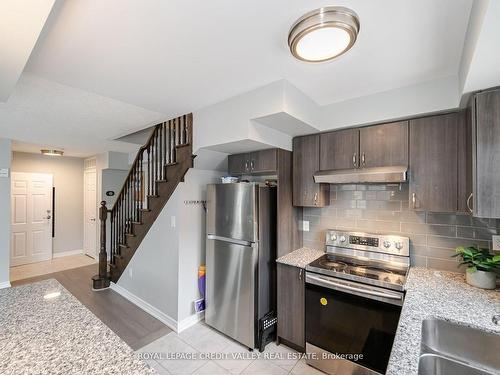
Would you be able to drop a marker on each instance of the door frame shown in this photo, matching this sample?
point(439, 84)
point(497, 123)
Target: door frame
point(85, 251)
point(52, 205)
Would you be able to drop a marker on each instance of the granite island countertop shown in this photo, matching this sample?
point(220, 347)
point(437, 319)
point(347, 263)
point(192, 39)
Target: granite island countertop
point(301, 257)
point(44, 329)
point(440, 294)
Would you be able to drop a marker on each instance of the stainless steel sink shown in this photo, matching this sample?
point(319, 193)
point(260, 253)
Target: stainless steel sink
point(447, 347)
point(435, 364)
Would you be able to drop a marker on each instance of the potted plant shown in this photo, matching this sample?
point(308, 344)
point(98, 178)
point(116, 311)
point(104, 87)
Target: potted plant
point(481, 266)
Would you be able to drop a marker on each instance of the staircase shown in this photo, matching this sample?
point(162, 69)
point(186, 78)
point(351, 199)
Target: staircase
point(157, 170)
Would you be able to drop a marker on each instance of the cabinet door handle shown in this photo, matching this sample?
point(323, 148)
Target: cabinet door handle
point(316, 199)
point(414, 200)
point(468, 202)
point(355, 160)
point(363, 159)
point(251, 165)
point(246, 165)
point(300, 274)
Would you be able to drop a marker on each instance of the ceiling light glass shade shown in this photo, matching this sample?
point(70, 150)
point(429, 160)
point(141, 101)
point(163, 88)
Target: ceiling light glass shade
point(323, 34)
point(52, 152)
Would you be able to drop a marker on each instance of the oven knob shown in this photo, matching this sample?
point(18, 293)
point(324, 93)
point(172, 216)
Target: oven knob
point(342, 239)
point(333, 237)
point(399, 245)
point(387, 244)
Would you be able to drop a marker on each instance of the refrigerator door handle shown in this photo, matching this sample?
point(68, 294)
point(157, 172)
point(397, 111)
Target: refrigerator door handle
point(230, 240)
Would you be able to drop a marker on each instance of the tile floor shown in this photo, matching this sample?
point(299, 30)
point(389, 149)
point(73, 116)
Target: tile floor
point(202, 350)
point(50, 266)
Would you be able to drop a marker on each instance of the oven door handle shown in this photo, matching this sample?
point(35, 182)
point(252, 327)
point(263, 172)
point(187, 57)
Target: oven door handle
point(322, 281)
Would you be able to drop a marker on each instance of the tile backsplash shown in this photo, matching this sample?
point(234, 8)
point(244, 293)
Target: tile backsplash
point(385, 209)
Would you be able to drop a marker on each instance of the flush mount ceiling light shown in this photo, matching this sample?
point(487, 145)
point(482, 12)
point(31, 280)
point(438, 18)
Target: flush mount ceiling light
point(323, 34)
point(52, 152)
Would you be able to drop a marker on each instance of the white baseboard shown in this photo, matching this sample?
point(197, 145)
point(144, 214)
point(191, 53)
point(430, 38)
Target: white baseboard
point(190, 321)
point(146, 306)
point(5, 284)
point(66, 253)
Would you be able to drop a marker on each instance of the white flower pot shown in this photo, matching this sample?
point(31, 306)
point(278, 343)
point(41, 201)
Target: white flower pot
point(481, 279)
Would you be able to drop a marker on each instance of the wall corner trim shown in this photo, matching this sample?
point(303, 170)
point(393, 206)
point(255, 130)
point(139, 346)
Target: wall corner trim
point(146, 306)
point(5, 284)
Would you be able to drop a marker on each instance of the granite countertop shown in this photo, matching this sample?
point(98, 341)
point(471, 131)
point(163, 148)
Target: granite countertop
point(58, 336)
point(301, 257)
point(440, 294)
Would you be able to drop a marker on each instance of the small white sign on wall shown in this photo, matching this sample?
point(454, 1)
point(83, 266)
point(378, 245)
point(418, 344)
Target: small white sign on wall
point(4, 172)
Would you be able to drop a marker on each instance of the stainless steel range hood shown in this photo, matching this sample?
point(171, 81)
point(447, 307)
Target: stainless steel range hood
point(363, 175)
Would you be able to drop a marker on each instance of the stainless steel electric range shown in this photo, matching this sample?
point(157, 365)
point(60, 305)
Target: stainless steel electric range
point(354, 296)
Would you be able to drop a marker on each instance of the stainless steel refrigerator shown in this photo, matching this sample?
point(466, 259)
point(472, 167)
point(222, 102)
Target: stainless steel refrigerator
point(240, 258)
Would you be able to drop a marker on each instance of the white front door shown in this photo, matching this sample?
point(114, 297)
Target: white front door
point(90, 207)
point(31, 218)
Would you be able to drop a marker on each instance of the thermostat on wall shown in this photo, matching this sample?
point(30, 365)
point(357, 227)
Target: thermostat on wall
point(110, 193)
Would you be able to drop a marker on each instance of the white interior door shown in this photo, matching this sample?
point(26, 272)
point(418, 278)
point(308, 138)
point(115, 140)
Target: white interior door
point(90, 219)
point(31, 218)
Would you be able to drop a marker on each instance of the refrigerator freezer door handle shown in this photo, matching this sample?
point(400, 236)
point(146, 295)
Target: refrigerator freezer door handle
point(231, 240)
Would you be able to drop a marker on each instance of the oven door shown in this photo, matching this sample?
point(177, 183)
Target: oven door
point(355, 321)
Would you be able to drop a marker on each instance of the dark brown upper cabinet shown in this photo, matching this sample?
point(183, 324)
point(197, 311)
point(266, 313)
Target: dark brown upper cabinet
point(384, 145)
point(258, 162)
point(238, 164)
point(305, 163)
point(434, 162)
point(339, 150)
point(264, 161)
point(486, 154)
point(373, 146)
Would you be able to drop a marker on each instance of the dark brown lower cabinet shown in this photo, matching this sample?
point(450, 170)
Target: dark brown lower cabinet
point(291, 306)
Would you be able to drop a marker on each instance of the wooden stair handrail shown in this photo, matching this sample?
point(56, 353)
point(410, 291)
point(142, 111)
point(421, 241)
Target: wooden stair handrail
point(141, 184)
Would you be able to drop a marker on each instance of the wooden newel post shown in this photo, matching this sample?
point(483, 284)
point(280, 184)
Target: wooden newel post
point(101, 281)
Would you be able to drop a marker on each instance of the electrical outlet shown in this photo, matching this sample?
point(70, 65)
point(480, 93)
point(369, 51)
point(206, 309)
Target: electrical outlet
point(172, 221)
point(305, 226)
point(496, 243)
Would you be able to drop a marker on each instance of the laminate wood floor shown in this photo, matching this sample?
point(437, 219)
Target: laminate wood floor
point(133, 325)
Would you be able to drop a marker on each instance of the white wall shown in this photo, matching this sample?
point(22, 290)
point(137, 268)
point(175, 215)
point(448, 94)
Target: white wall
point(68, 181)
point(409, 101)
point(164, 270)
point(192, 233)
point(5, 162)
point(112, 180)
point(152, 274)
point(273, 114)
point(484, 68)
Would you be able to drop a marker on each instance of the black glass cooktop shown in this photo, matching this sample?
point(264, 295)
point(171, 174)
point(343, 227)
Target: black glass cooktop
point(337, 265)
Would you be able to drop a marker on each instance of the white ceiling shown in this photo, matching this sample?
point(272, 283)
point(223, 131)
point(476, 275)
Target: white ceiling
point(178, 56)
point(43, 114)
point(102, 69)
point(21, 22)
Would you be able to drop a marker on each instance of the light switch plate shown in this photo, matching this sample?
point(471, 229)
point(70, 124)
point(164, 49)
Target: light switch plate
point(305, 226)
point(496, 243)
point(172, 221)
point(4, 172)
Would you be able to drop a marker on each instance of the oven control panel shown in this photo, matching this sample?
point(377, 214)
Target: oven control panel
point(388, 244)
point(366, 241)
